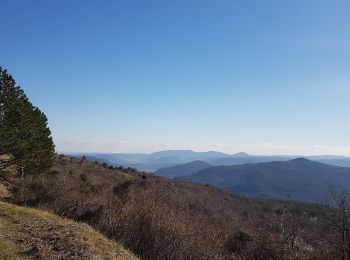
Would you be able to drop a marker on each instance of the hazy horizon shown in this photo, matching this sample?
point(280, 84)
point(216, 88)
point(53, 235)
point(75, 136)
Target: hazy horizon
point(262, 77)
point(319, 150)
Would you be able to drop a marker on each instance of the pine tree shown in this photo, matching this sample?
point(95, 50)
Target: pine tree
point(25, 138)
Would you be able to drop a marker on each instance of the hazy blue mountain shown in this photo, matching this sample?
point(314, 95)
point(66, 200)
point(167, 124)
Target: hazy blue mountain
point(155, 161)
point(182, 170)
point(332, 160)
point(98, 159)
point(326, 157)
point(101, 157)
point(120, 158)
point(337, 162)
point(170, 158)
point(243, 158)
point(241, 154)
point(303, 179)
point(237, 160)
point(186, 155)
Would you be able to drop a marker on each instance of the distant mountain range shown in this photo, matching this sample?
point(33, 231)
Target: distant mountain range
point(183, 170)
point(308, 179)
point(155, 161)
point(302, 179)
point(243, 158)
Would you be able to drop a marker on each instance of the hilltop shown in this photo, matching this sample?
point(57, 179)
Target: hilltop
point(27, 233)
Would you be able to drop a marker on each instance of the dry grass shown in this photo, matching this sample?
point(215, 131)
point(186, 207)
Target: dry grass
point(27, 233)
point(4, 192)
point(158, 218)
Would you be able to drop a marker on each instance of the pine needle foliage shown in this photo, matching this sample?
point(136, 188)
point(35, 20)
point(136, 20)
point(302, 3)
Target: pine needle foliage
point(25, 138)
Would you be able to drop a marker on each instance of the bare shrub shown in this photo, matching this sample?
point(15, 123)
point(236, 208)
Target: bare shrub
point(158, 218)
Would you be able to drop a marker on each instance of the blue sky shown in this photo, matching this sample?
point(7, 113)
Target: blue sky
point(265, 77)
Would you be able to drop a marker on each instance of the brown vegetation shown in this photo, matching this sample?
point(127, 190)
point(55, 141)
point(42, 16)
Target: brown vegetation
point(33, 234)
point(158, 218)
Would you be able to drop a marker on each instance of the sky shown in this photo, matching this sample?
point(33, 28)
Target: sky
point(263, 77)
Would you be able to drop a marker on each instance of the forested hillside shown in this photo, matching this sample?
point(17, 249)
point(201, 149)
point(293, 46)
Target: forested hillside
point(302, 179)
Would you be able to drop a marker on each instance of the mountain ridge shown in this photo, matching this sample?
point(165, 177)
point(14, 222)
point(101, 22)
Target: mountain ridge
point(168, 158)
point(303, 179)
point(182, 170)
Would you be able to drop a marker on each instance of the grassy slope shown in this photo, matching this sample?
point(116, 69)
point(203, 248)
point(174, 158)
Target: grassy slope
point(27, 233)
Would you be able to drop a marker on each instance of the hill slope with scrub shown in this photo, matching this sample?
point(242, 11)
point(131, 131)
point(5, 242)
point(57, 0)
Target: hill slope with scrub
point(160, 218)
point(27, 233)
